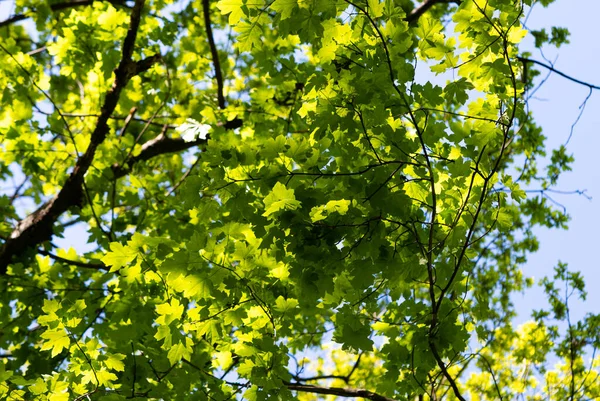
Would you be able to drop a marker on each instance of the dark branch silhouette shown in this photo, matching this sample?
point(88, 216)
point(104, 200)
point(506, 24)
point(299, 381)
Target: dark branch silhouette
point(159, 145)
point(422, 8)
point(162, 144)
point(340, 392)
point(562, 74)
point(214, 54)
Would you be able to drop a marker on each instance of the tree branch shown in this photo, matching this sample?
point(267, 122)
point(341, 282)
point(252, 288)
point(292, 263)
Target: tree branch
point(128, 120)
point(340, 392)
point(38, 226)
point(562, 74)
point(422, 8)
point(161, 145)
point(320, 377)
point(96, 266)
point(214, 53)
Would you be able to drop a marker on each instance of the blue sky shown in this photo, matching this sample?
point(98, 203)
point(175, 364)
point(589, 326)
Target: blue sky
point(555, 108)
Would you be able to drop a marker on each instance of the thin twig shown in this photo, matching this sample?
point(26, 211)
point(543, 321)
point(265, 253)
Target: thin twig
point(182, 179)
point(581, 110)
point(86, 265)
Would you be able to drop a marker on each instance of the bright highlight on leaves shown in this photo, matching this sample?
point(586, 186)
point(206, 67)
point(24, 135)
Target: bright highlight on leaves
point(119, 256)
point(280, 198)
point(192, 130)
point(56, 340)
point(321, 212)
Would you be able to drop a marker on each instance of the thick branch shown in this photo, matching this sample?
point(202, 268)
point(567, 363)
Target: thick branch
point(161, 145)
point(214, 53)
point(340, 392)
point(37, 227)
point(55, 7)
point(424, 7)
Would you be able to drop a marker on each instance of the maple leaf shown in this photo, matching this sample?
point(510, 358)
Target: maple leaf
point(56, 340)
point(233, 8)
point(280, 198)
point(179, 351)
point(284, 7)
point(119, 256)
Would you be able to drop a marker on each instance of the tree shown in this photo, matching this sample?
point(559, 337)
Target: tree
point(278, 207)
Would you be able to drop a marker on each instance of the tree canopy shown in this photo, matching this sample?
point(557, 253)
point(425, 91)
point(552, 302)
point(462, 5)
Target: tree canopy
point(288, 199)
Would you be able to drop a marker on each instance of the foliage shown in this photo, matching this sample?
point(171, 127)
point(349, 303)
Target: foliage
point(286, 199)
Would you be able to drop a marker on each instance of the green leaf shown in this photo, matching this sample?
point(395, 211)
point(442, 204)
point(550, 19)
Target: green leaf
point(169, 311)
point(119, 256)
point(38, 387)
point(283, 305)
point(56, 340)
point(193, 286)
point(284, 7)
point(114, 362)
point(249, 35)
point(179, 351)
point(355, 336)
point(280, 198)
point(105, 378)
point(233, 8)
point(340, 207)
point(51, 306)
